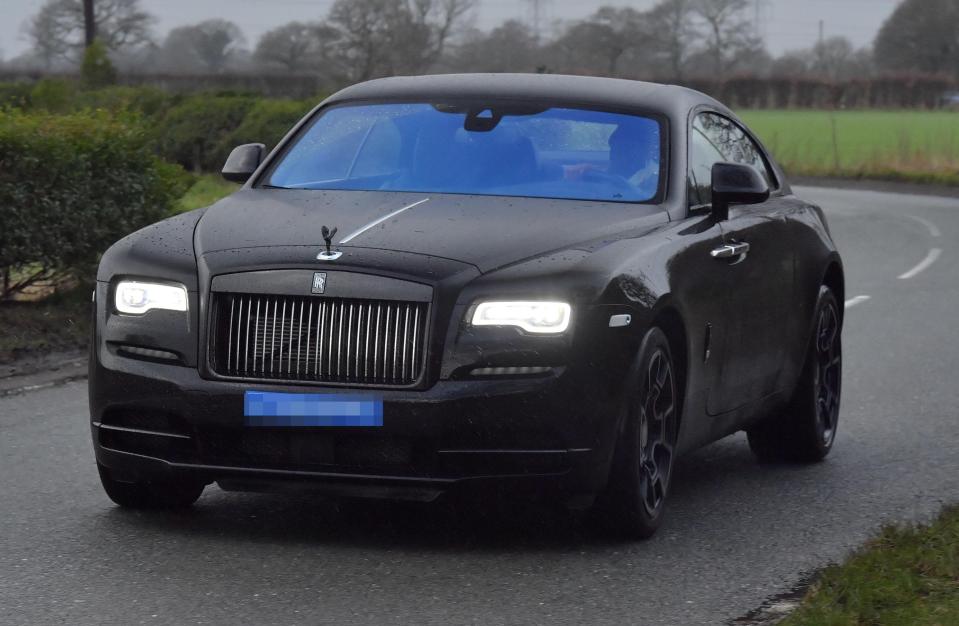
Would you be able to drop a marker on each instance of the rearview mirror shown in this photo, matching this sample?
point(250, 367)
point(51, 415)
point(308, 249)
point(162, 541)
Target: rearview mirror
point(242, 162)
point(734, 183)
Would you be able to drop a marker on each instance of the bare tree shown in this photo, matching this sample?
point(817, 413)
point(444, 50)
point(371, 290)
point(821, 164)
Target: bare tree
point(673, 31)
point(836, 58)
point(296, 46)
point(384, 37)
point(448, 16)
point(89, 23)
point(210, 45)
point(728, 30)
point(510, 47)
point(598, 44)
point(59, 29)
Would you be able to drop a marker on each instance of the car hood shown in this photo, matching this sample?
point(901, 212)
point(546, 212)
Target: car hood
point(485, 231)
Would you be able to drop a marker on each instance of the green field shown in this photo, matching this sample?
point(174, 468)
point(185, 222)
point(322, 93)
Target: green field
point(914, 146)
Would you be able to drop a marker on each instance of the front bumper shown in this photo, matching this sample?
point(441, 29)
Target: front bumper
point(158, 421)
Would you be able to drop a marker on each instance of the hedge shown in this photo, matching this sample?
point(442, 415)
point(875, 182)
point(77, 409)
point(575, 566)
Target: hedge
point(71, 185)
point(267, 122)
point(196, 131)
point(192, 133)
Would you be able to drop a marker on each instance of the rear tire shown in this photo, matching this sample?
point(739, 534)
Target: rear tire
point(805, 432)
point(633, 502)
point(152, 495)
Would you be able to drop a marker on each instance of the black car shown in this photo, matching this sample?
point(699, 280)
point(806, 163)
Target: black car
point(534, 282)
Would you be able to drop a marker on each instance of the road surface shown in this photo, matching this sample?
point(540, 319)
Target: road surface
point(736, 533)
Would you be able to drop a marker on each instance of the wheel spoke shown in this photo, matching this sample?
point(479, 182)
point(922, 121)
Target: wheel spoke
point(657, 414)
point(654, 485)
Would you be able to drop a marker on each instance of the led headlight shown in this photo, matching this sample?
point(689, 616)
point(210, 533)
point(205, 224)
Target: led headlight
point(136, 298)
point(533, 317)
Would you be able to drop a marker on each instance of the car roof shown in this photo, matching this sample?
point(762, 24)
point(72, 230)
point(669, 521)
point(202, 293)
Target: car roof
point(670, 100)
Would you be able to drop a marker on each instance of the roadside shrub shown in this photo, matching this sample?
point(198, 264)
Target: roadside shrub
point(267, 122)
point(15, 95)
point(151, 103)
point(70, 186)
point(54, 95)
point(96, 70)
point(193, 133)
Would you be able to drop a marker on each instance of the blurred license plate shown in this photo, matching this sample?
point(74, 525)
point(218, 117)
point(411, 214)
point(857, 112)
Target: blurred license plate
point(263, 408)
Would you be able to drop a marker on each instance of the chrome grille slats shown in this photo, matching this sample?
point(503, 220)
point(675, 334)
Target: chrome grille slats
point(416, 325)
point(229, 347)
point(406, 336)
point(257, 335)
point(302, 338)
point(386, 340)
point(282, 325)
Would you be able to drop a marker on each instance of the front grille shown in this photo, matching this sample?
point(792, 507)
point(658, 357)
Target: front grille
point(340, 340)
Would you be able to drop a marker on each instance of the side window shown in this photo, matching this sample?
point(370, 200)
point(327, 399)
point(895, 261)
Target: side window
point(702, 156)
point(714, 139)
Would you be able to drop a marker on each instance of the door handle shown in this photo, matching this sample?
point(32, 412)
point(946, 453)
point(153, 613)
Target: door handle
point(730, 250)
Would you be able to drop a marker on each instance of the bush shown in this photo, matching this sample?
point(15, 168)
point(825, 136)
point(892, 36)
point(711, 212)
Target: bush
point(15, 95)
point(96, 70)
point(194, 132)
point(55, 95)
point(72, 185)
point(151, 103)
point(267, 122)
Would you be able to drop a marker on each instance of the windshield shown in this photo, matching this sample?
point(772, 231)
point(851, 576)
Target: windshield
point(510, 150)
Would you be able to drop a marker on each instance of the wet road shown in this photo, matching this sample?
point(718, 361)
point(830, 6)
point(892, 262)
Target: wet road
point(736, 532)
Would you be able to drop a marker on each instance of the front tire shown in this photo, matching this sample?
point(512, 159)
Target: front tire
point(152, 495)
point(633, 503)
point(806, 431)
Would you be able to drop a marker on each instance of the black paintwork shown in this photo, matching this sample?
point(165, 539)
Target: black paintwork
point(752, 318)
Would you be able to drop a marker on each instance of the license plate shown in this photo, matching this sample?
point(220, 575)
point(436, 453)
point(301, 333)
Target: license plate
point(264, 408)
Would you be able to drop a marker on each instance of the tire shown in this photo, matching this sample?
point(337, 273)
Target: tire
point(806, 431)
point(153, 495)
point(632, 504)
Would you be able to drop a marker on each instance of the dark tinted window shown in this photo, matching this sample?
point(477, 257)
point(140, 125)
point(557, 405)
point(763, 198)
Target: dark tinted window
point(718, 139)
point(518, 151)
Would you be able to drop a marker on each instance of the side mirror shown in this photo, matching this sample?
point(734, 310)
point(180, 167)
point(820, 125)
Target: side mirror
point(734, 183)
point(242, 162)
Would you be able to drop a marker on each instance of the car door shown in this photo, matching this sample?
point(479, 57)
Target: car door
point(760, 278)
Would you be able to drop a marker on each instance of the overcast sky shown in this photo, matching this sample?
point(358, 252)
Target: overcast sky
point(786, 24)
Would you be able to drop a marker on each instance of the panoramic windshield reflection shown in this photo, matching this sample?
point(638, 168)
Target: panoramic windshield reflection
point(508, 151)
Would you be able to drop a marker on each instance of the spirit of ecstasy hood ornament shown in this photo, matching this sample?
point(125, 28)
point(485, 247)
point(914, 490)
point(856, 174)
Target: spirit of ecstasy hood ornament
point(329, 254)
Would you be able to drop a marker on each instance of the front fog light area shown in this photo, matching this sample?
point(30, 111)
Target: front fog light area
point(136, 298)
point(533, 317)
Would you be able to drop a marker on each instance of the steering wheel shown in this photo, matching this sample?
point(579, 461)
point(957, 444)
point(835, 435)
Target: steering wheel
point(613, 180)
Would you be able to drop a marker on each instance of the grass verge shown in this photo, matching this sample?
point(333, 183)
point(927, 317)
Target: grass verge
point(903, 146)
point(907, 576)
point(207, 189)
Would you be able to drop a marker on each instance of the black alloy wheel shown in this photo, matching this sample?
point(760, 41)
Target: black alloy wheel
point(633, 503)
point(828, 372)
point(806, 429)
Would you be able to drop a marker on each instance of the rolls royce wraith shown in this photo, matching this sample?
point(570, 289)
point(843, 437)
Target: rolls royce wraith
point(533, 282)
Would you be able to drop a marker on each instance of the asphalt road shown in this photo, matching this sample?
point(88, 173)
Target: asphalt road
point(736, 534)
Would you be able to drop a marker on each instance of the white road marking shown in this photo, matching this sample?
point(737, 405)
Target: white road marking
point(857, 300)
point(924, 265)
point(932, 228)
point(362, 230)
